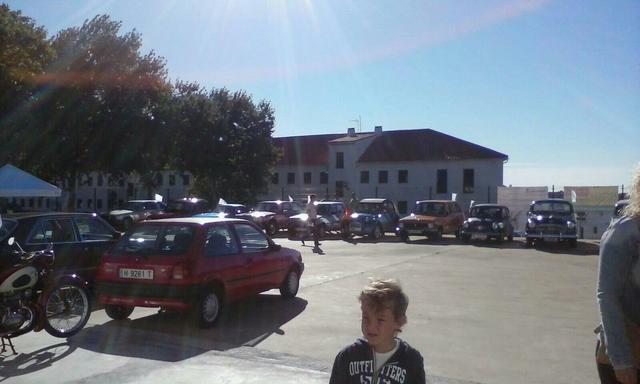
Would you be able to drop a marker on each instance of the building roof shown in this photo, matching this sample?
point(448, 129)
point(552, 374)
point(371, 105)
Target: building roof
point(424, 144)
point(305, 150)
point(349, 139)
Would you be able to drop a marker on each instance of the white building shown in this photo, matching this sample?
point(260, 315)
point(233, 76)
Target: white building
point(594, 208)
point(518, 200)
point(404, 166)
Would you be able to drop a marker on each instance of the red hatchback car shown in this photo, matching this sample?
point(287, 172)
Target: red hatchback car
point(196, 264)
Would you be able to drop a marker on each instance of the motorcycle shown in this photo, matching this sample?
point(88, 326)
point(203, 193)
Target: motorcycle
point(32, 298)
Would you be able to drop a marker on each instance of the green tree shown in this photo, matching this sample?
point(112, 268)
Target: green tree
point(24, 54)
point(224, 139)
point(99, 106)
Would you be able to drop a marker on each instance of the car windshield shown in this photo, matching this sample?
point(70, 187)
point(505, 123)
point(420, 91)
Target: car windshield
point(324, 209)
point(134, 206)
point(552, 206)
point(181, 206)
point(6, 228)
point(370, 207)
point(269, 207)
point(487, 212)
point(231, 209)
point(431, 209)
point(156, 240)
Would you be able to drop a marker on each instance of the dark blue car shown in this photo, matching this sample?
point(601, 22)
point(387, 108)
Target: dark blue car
point(372, 218)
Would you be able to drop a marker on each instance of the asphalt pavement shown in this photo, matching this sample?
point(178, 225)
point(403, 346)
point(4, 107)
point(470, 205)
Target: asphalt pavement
point(479, 313)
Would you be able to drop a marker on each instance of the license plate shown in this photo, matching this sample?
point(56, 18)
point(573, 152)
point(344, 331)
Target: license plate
point(478, 237)
point(128, 273)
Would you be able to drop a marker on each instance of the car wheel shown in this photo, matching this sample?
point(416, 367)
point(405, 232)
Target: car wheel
point(529, 242)
point(118, 312)
point(67, 309)
point(208, 309)
point(510, 237)
point(345, 231)
point(290, 285)
point(499, 239)
point(376, 234)
point(404, 236)
point(439, 234)
point(573, 243)
point(271, 228)
point(466, 238)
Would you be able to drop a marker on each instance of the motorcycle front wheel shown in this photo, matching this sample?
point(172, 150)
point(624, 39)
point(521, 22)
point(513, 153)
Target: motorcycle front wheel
point(66, 310)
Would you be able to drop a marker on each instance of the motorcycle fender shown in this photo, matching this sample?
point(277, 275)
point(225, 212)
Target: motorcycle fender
point(50, 285)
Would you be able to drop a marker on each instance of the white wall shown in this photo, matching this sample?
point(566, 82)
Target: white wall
point(518, 199)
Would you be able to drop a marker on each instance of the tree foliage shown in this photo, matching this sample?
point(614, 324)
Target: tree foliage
point(88, 100)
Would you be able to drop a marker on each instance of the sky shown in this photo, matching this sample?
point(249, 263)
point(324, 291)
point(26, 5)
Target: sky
point(554, 84)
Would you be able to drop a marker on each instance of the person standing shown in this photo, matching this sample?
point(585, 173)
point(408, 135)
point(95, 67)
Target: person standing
point(618, 294)
point(312, 217)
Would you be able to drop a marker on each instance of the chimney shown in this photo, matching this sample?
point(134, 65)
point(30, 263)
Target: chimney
point(378, 129)
point(351, 132)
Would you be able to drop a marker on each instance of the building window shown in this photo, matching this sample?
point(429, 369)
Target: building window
point(99, 204)
point(79, 203)
point(383, 177)
point(90, 181)
point(130, 189)
point(402, 207)
point(364, 177)
point(39, 202)
point(324, 178)
point(307, 177)
point(47, 203)
point(100, 180)
point(31, 203)
point(403, 176)
point(159, 179)
point(185, 179)
point(291, 178)
point(467, 181)
point(172, 179)
point(89, 203)
point(121, 182)
point(340, 160)
point(595, 230)
point(275, 178)
point(339, 189)
point(441, 186)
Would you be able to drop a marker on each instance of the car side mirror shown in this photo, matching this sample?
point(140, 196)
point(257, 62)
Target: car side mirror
point(117, 235)
point(274, 247)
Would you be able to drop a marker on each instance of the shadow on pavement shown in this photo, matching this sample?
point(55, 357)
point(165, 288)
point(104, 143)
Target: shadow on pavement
point(172, 336)
point(583, 248)
point(26, 363)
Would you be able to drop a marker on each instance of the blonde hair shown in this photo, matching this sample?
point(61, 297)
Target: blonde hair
point(633, 209)
point(381, 294)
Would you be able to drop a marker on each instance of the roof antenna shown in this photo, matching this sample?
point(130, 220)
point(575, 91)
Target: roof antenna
point(359, 121)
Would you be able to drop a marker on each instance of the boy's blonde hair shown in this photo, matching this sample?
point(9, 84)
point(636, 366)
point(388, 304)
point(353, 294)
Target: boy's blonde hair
point(381, 294)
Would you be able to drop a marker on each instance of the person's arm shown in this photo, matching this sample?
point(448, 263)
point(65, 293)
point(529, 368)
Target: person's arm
point(617, 251)
point(339, 372)
point(420, 373)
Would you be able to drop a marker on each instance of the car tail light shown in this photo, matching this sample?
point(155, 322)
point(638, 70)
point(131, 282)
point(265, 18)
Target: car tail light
point(179, 272)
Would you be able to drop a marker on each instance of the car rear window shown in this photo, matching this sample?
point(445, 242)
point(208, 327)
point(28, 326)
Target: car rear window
point(431, 209)
point(487, 212)
point(6, 227)
point(158, 240)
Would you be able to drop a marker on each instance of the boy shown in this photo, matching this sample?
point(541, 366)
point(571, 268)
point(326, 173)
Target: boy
point(380, 357)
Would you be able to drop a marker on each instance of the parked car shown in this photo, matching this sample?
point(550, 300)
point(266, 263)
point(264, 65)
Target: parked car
point(194, 264)
point(373, 217)
point(551, 219)
point(488, 221)
point(134, 211)
point(432, 218)
point(274, 215)
point(330, 218)
point(227, 210)
point(79, 239)
point(185, 207)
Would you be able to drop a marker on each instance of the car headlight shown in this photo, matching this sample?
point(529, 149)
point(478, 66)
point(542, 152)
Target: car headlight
point(494, 226)
point(571, 225)
point(401, 225)
point(465, 225)
point(354, 215)
point(497, 225)
point(531, 223)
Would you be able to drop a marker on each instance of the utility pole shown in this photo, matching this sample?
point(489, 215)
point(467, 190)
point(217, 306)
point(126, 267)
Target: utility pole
point(359, 121)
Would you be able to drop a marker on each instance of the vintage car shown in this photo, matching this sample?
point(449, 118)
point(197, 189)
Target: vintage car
point(372, 218)
point(553, 219)
point(488, 221)
point(432, 218)
point(194, 264)
point(134, 211)
point(79, 239)
point(185, 207)
point(330, 218)
point(274, 215)
point(227, 210)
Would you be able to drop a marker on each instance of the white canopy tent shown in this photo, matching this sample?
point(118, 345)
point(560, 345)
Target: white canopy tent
point(14, 182)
